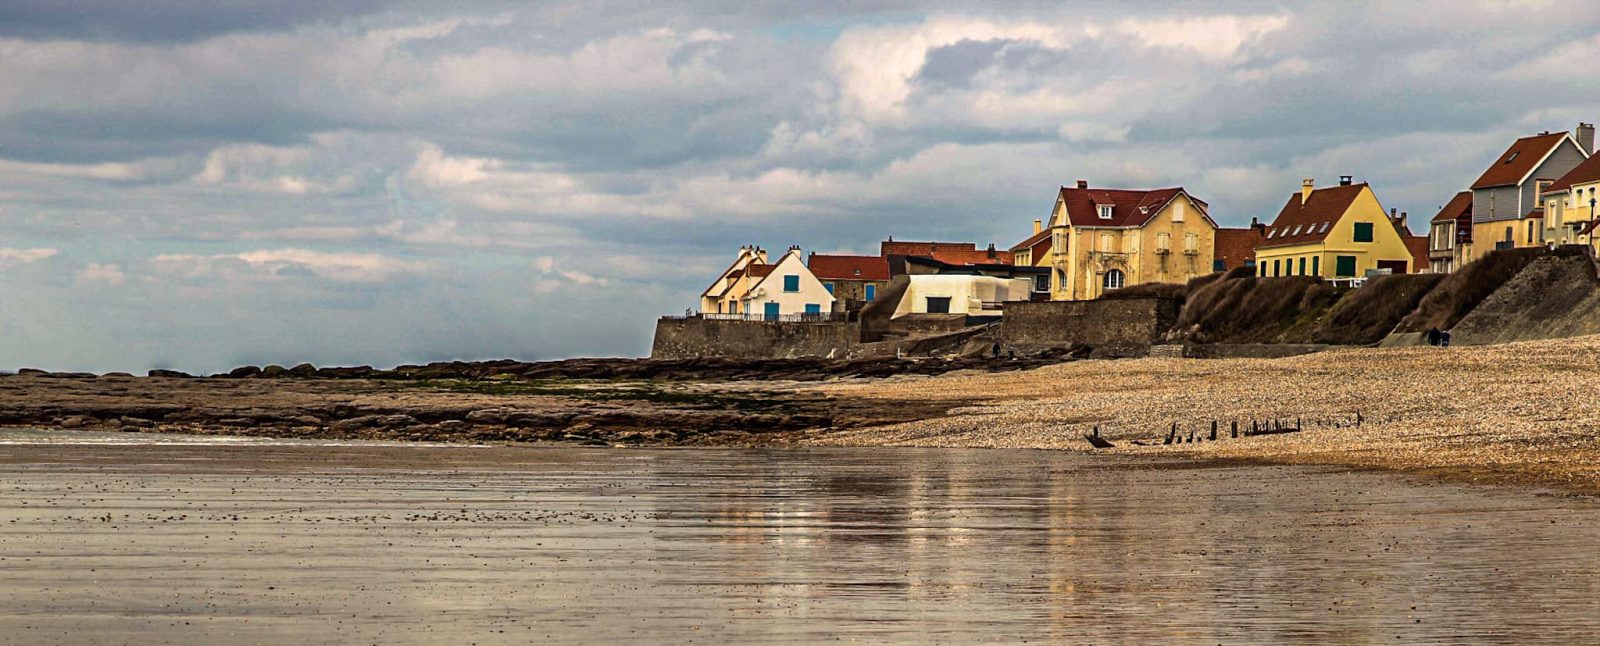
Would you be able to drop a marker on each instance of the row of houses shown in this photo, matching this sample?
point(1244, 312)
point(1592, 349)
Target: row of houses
point(1540, 192)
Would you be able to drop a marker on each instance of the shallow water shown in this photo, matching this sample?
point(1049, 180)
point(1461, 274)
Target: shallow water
point(189, 540)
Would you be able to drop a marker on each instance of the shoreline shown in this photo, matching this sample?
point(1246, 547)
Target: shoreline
point(1511, 415)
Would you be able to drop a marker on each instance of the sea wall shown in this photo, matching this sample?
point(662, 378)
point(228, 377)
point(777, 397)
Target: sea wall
point(695, 337)
point(1122, 327)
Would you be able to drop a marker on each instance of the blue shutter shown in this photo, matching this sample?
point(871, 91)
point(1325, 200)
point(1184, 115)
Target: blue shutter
point(771, 311)
point(872, 292)
point(813, 308)
point(791, 283)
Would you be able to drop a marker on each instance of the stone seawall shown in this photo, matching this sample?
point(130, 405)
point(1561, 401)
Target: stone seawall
point(1116, 327)
point(689, 338)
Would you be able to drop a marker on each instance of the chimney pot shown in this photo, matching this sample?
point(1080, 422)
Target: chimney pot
point(1346, 180)
point(1038, 225)
point(1306, 186)
point(1083, 183)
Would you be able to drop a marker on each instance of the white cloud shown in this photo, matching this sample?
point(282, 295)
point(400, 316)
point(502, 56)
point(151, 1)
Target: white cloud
point(11, 257)
point(286, 263)
point(108, 274)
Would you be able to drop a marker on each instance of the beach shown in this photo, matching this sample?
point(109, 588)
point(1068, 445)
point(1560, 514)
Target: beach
point(1519, 413)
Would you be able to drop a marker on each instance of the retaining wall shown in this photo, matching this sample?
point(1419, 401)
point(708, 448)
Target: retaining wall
point(688, 338)
point(1122, 327)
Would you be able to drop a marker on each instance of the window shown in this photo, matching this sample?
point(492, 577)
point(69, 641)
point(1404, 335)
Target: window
point(1105, 211)
point(938, 304)
point(1530, 233)
point(1163, 242)
point(1344, 266)
point(1113, 280)
point(791, 283)
point(872, 292)
point(1302, 265)
point(1191, 242)
point(770, 312)
point(1315, 269)
point(1271, 233)
point(1363, 232)
point(1219, 265)
point(1177, 210)
point(1107, 243)
point(1512, 156)
point(813, 308)
point(1277, 268)
point(1041, 283)
point(1325, 226)
point(1508, 234)
point(828, 286)
point(1296, 230)
point(1263, 269)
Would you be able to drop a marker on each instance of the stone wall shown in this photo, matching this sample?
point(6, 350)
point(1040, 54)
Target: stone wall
point(688, 338)
point(1124, 327)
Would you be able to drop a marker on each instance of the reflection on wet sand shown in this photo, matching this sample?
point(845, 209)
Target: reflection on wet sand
point(279, 542)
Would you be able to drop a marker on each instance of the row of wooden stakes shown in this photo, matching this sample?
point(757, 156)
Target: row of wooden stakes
point(1257, 427)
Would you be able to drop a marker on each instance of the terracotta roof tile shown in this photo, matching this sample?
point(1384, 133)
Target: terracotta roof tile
point(1310, 222)
point(1042, 236)
point(828, 267)
point(954, 253)
point(1588, 171)
point(1129, 208)
point(760, 271)
point(1235, 247)
point(1458, 207)
point(1418, 246)
point(1518, 160)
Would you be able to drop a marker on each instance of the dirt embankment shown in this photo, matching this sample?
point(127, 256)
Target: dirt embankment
point(1553, 297)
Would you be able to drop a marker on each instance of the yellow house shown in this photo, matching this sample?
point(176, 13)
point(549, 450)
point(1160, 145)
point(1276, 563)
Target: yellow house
point(1098, 240)
point(1334, 232)
point(723, 296)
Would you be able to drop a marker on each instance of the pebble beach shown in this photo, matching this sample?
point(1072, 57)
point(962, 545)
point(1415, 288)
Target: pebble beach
point(1520, 413)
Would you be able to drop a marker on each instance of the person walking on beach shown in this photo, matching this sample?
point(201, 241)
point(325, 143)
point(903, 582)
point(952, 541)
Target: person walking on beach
point(1444, 338)
point(1433, 336)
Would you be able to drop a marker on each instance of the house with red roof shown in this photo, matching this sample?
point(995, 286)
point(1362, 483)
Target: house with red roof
point(1237, 247)
point(1335, 232)
point(853, 280)
point(1101, 239)
point(1449, 232)
point(1507, 211)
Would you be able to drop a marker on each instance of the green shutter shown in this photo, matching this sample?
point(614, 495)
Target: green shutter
point(1363, 232)
point(1344, 266)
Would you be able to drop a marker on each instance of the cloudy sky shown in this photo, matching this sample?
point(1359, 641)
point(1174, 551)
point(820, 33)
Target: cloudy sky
point(200, 184)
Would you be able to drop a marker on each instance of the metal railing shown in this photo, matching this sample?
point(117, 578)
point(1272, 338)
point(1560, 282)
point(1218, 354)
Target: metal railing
point(821, 317)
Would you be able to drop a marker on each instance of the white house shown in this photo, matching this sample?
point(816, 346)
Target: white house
point(974, 295)
point(787, 290)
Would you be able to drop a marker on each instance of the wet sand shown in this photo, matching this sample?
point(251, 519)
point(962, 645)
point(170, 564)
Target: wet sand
point(119, 538)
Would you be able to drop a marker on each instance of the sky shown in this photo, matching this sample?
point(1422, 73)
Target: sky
point(204, 184)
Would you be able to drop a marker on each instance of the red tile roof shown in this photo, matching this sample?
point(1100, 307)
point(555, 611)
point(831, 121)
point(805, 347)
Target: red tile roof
point(1418, 246)
point(760, 271)
point(1520, 159)
point(1129, 208)
point(1235, 247)
point(1588, 171)
point(849, 267)
point(1039, 243)
point(954, 253)
point(1310, 222)
point(1459, 206)
point(1536, 213)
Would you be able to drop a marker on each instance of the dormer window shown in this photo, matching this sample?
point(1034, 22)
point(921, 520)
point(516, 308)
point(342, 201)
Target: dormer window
point(1105, 211)
point(1296, 230)
point(1272, 233)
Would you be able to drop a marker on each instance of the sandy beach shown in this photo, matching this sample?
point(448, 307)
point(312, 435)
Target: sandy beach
point(1519, 413)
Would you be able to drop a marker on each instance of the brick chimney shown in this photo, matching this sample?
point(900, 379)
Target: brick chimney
point(1038, 225)
point(991, 251)
point(1306, 186)
point(1083, 183)
point(1585, 137)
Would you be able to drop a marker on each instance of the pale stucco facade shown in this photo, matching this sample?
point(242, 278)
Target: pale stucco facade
point(960, 294)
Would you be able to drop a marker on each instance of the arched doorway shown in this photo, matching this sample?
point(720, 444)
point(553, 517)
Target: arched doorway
point(1113, 280)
